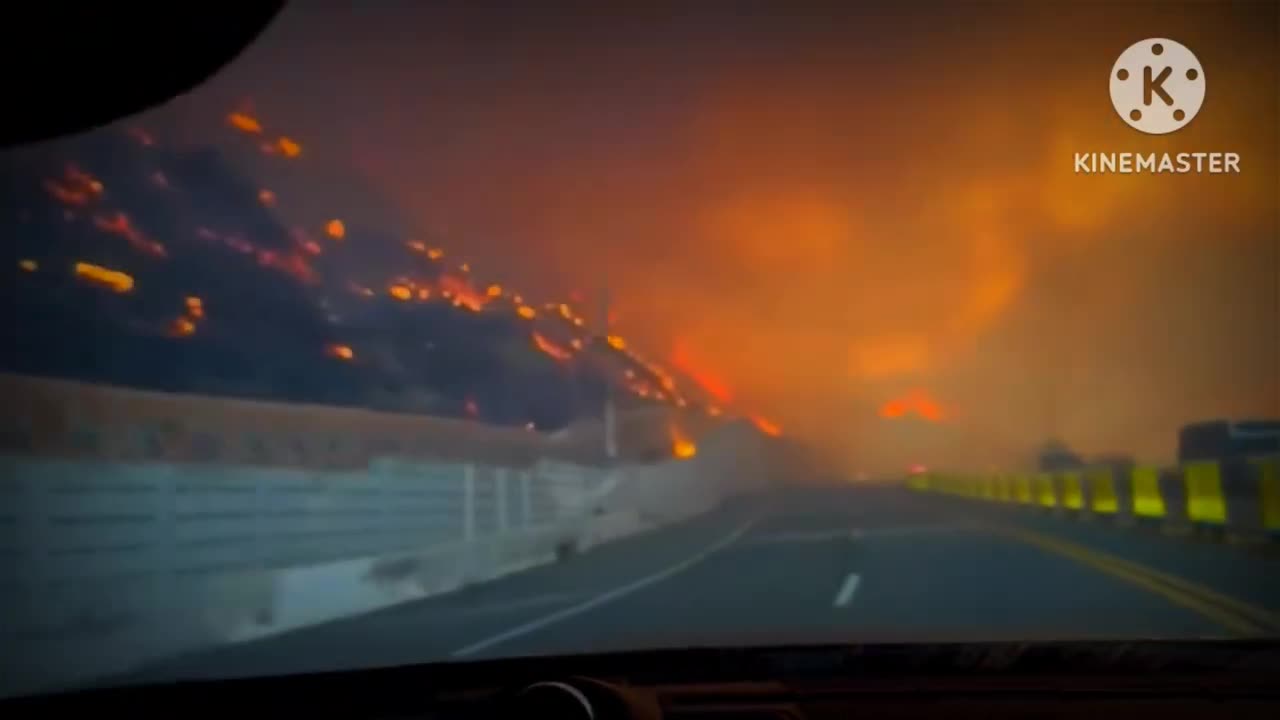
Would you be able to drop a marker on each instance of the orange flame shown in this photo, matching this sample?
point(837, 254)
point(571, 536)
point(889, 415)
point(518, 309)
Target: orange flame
point(526, 312)
point(710, 383)
point(766, 426)
point(682, 448)
point(119, 224)
point(616, 342)
point(463, 294)
point(400, 292)
point(551, 348)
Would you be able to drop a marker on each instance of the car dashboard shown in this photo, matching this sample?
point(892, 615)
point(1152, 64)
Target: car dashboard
point(1098, 680)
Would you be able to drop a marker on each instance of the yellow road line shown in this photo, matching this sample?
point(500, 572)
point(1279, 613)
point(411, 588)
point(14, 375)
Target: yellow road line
point(1232, 614)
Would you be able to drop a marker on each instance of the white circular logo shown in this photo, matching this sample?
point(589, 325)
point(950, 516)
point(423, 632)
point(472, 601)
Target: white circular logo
point(1157, 86)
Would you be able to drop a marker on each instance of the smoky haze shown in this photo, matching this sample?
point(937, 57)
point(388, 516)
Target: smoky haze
point(863, 223)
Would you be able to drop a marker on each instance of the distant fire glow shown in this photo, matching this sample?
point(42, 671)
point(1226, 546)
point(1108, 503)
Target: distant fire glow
point(916, 401)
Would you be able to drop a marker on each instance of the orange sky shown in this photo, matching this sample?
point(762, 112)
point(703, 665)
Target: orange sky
point(831, 213)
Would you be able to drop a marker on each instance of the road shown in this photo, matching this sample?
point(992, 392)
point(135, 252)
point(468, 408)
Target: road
point(830, 565)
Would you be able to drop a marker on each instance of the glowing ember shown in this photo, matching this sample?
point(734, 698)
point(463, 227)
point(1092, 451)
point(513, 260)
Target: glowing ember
point(494, 291)
point(335, 229)
point(195, 307)
point(342, 352)
point(435, 253)
point(400, 292)
point(288, 147)
point(267, 198)
point(28, 265)
point(114, 279)
point(182, 327)
point(244, 123)
point(616, 342)
point(77, 188)
point(526, 312)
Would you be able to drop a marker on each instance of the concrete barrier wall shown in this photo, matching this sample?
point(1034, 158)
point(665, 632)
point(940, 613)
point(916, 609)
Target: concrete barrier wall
point(1237, 500)
point(112, 564)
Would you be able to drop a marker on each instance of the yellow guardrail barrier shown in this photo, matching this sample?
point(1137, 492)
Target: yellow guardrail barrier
point(1022, 489)
point(1045, 494)
point(1269, 492)
point(1102, 491)
point(1072, 491)
point(1148, 501)
point(1205, 501)
point(1250, 513)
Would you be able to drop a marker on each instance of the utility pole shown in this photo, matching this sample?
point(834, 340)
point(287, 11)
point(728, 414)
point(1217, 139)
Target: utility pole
point(610, 411)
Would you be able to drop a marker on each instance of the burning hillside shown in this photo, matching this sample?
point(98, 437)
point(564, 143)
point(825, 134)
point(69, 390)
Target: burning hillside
point(140, 264)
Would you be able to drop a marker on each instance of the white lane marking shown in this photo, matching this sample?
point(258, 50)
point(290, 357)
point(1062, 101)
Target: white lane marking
point(602, 599)
point(847, 589)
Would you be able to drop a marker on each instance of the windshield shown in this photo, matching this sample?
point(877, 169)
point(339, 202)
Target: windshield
point(451, 331)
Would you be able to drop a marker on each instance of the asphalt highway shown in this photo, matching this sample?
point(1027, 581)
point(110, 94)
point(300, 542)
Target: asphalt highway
point(848, 564)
